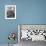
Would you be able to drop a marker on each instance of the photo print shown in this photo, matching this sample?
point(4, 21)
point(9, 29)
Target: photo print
point(10, 11)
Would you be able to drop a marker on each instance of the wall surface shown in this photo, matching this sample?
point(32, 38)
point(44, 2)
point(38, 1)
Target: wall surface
point(27, 12)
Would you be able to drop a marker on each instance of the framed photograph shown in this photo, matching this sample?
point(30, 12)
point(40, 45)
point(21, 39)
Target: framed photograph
point(10, 11)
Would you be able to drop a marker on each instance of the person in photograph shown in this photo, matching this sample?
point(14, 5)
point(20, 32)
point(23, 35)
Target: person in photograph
point(11, 12)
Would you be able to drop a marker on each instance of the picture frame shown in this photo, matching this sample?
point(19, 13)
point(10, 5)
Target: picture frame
point(10, 11)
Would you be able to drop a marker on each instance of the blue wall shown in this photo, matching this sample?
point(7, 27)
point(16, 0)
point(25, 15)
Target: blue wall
point(27, 12)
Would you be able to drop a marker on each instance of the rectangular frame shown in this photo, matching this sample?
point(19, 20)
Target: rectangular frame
point(6, 11)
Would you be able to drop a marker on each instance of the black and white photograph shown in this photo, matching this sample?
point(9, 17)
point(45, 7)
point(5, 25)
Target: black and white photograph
point(10, 11)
